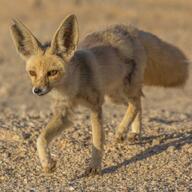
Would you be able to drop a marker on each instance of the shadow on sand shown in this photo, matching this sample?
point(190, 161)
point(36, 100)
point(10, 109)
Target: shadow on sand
point(177, 140)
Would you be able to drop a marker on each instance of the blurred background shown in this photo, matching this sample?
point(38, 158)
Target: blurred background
point(170, 20)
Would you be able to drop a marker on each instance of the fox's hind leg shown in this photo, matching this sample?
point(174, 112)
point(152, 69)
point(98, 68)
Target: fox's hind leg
point(136, 125)
point(131, 113)
point(54, 128)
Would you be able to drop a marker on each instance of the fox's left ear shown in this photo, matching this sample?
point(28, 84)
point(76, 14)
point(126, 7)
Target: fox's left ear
point(66, 38)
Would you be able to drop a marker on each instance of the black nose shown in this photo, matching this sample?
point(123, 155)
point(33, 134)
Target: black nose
point(37, 90)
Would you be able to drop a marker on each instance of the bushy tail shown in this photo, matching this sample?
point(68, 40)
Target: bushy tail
point(166, 65)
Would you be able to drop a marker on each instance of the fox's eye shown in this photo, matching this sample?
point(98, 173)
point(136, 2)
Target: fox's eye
point(52, 73)
point(32, 73)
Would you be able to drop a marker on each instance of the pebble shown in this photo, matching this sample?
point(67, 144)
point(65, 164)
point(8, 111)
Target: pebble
point(156, 142)
point(26, 135)
point(71, 188)
point(171, 149)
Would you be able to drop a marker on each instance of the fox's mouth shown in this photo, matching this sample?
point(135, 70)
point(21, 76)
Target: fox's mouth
point(43, 93)
point(40, 91)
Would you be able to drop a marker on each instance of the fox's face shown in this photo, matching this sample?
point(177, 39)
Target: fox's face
point(46, 65)
point(45, 72)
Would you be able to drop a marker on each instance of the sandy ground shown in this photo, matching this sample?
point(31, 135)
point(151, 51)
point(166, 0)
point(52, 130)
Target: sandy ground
point(162, 161)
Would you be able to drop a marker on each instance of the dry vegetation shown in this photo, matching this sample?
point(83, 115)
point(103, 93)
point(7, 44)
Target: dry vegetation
point(162, 162)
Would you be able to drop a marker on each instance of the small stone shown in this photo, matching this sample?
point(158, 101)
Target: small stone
point(114, 115)
point(183, 116)
point(171, 149)
point(156, 142)
point(71, 188)
point(25, 181)
point(32, 190)
point(26, 135)
point(7, 155)
point(34, 115)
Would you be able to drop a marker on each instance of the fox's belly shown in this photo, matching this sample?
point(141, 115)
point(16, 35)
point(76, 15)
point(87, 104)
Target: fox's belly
point(111, 78)
point(117, 96)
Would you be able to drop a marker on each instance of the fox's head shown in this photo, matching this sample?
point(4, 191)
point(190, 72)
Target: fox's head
point(46, 65)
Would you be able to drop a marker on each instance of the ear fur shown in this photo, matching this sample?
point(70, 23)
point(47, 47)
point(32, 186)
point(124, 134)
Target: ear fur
point(25, 42)
point(66, 38)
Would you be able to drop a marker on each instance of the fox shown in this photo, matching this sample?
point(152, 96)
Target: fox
point(111, 64)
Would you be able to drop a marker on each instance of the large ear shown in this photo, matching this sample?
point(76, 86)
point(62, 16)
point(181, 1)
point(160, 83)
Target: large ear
point(25, 42)
point(66, 38)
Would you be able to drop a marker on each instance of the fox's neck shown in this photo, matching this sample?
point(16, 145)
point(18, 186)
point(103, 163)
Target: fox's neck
point(76, 77)
point(69, 86)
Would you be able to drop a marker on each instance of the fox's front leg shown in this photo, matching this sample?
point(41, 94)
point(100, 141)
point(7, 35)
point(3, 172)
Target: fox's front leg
point(54, 128)
point(98, 142)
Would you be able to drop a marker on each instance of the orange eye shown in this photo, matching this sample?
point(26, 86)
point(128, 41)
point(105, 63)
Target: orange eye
point(52, 73)
point(32, 73)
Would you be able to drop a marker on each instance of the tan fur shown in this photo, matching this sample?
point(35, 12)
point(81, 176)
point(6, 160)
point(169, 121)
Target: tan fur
point(112, 64)
point(163, 58)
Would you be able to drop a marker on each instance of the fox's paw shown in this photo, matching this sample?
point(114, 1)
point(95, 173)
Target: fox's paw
point(133, 137)
point(93, 169)
point(50, 166)
point(119, 138)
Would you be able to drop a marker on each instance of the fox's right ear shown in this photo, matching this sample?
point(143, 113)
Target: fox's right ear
point(66, 37)
point(25, 42)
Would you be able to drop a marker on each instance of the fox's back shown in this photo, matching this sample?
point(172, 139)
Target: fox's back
point(120, 37)
point(111, 53)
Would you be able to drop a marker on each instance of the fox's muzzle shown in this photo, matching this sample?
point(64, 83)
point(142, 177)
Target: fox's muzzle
point(40, 90)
